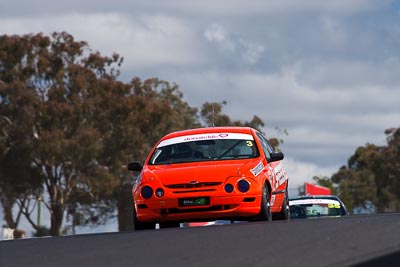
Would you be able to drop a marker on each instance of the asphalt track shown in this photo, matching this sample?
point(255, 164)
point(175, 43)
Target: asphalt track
point(363, 240)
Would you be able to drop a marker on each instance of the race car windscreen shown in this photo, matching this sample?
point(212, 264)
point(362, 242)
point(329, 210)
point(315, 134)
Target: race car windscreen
point(182, 150)
point(311, 210)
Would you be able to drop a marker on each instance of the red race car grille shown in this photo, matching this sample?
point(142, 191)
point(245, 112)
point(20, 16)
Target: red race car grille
point(196, 185)
point(193, 187)
point(193, 191)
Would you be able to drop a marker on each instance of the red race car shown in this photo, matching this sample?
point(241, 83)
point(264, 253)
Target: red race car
point(216, 173)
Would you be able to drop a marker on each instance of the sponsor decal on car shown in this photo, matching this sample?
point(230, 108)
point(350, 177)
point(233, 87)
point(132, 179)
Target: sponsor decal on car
point(203, 137)
point(272, 200)
point(280, 175)
point(332, 202)
point(257, 169)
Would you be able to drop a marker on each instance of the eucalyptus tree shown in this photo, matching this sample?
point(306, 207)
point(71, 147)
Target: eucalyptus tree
point(58, 102)
point(69, 126)
point(371, 175)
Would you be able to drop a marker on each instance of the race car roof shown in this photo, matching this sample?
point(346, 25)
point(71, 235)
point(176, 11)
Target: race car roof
point(204, 137)
point(204, 130)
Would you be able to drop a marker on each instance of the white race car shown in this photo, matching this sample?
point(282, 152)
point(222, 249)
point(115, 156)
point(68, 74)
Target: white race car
point(316, 206)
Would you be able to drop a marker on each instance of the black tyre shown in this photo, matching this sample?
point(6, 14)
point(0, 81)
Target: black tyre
point(284, 214)
point(265, 212)
point(138, 225)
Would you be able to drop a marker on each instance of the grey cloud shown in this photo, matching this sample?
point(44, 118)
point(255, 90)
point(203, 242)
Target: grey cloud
point(327, 71)
point(234, 47)
point(183, 7)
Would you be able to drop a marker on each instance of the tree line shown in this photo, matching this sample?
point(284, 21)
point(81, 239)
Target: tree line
point(68, 126)
point(371, 179)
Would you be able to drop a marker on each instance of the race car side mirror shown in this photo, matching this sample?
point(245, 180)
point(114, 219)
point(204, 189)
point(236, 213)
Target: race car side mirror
point(135, 166)
point(275, 156)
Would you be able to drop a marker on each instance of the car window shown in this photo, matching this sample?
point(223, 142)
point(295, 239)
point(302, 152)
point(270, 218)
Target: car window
point(204, 150)
point(266, 146)
point(302, 209)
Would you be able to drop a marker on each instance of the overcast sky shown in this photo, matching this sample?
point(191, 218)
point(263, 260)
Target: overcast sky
point(326, 71)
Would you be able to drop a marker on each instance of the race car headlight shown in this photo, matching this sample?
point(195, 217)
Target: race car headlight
point(147, 192)
point(243, 186)
point(159, 192)
point(228, 188)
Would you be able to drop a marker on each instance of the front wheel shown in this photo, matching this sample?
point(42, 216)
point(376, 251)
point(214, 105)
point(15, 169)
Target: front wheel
point(138, 225)
point(284, 214)
point(265, 211)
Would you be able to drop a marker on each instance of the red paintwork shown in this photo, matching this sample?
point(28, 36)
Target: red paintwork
point(223, 171)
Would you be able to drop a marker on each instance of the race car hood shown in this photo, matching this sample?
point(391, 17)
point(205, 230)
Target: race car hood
point(206, 172)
